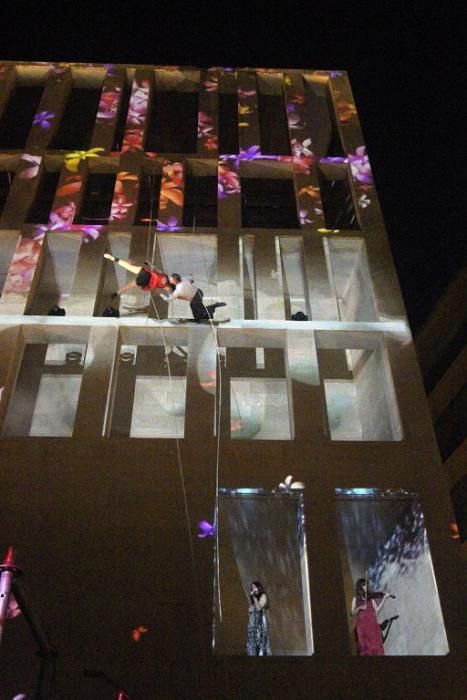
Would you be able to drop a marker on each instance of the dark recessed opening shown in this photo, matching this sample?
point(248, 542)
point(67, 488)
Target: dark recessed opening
point(338, 208)
point(18, 116)
point(173, 122)
point(6, 178)
point(274, 131)
point(200, 203)
point(268, 203)
point(228, 124)
point(321, 123)
point(97, 200)
point(42, 205)
point(122, 117)
point(148, 199)
point(77, 122)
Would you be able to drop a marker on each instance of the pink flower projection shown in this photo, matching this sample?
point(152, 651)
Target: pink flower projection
point(138, 632)
point(171, 195)
point(309, 198)
point(206, 135)
point(211, 84)
point(62, 217)
point(133, 140)
point(23, 266)
point(30, 166)
point(108, 105)
point(126, 188)
point(360, 166)
point(120, 207)
point(228, 178)
point(137, 112)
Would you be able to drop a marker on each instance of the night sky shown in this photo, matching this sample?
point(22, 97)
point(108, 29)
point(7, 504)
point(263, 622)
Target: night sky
point(406, 71)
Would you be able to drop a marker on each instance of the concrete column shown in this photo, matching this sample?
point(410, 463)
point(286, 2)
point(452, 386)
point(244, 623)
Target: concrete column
point(322, 297)
point(201, 384)
point(269, 294)
point(306, 395)
point(88, 279)
point(95, 384)
point(11, 354)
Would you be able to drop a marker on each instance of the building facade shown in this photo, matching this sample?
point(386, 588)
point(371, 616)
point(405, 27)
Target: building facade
point(144, 456)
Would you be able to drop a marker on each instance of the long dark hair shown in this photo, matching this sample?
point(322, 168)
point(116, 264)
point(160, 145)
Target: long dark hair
point(260, 592)
point(360, 592)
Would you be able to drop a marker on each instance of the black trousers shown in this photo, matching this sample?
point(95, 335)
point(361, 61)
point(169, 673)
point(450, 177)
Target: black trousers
point(198, 309)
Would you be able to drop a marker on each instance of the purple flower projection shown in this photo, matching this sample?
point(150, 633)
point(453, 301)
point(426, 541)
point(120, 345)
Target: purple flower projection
point(304, 217)
point(170, 225)
point(206, 529)
point(108, 104)
point(359, 165)
point(43, 119)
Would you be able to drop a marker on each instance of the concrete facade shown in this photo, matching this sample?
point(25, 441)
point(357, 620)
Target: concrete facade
point(120, 434)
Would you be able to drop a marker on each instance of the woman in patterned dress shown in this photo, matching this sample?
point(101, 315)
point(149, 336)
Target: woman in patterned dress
point(257, 642)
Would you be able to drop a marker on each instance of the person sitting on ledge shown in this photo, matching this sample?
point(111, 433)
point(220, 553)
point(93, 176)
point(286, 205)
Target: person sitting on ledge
point(146, 278)
point(186, 290)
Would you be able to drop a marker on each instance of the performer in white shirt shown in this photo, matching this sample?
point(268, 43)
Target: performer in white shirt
point(186, 290)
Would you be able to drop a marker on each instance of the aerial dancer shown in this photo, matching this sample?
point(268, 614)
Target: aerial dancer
point(257, 641)
point(368, 631)
point(147, 279)
point(185, 290)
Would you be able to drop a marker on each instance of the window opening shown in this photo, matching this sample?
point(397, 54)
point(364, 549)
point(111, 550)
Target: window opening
point(78, 120)
point(18, 116)
point(383, 541)
point(261, 537)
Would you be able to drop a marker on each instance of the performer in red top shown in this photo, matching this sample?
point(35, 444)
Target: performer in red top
point(368, 631)
point(146, 279)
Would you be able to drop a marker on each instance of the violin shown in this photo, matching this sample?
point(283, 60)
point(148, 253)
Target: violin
point(377, 595)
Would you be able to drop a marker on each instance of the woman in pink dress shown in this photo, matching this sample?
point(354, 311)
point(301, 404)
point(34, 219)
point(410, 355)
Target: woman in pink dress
point(368, 631)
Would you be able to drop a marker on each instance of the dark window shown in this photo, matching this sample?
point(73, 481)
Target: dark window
point(173, 122)
point(200, 204)
point(6, 178)
point(228, 124)
point(338, 208)
point(122, 117)
point(321, 121)
point(40, 210)
point(78, 119)
point(268, 203)
point(148, 199)
point(18, 116)
point(274, 131)
point(97, 200)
